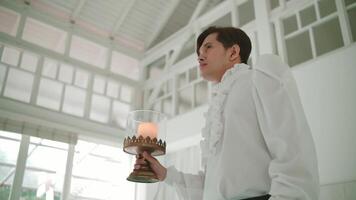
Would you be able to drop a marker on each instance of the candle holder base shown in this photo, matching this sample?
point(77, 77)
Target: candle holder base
point(142, 176)
point(136, 146)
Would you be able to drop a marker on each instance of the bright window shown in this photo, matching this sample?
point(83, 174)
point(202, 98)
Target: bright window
point(44, 35)
point(100, 172)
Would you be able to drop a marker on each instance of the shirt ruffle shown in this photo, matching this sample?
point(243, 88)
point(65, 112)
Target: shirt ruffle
point(214, 124)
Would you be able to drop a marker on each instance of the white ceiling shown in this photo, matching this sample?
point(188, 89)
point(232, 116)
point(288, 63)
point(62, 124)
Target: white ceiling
point(134, 24)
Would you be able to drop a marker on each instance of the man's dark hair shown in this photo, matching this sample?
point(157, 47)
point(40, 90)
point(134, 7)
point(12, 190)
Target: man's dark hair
point(228, 36)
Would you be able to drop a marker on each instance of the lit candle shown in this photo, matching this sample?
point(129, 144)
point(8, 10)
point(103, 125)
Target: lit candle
point(147, 129)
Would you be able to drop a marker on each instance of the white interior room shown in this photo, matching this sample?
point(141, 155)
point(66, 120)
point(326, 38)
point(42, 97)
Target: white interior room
point(72, 70)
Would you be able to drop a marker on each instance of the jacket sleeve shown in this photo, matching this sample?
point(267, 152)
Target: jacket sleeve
point(188, 186)
point(293, 167)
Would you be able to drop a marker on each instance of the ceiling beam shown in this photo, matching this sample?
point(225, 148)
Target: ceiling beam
point(76, 11)
point(120, 20)
point(198, 10)
point(169, 12)
point(194, 16)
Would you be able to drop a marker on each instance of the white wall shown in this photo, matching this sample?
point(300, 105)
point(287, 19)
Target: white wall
point(327, 87)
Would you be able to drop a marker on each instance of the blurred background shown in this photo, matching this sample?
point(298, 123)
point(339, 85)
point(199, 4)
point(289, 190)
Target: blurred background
point(71, 70)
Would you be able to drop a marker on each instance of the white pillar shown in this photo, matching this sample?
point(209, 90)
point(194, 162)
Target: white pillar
point(68, 173)
point(264, 30)
point(16, 188)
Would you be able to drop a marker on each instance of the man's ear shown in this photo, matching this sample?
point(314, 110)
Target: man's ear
point(235, 52)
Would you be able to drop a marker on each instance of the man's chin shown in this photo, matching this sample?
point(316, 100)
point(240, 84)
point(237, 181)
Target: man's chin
point(208, 78)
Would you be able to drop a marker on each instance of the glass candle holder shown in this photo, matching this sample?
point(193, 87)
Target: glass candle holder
point(145, 131)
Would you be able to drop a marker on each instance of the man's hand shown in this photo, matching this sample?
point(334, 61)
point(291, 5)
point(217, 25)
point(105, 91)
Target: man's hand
point(156, 167)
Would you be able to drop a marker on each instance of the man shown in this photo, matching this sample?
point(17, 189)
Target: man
point(256, 142)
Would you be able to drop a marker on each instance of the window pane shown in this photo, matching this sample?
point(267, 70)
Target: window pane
point(66, 73)
point(125, 65)
point(50, 68)
point(156, 106)
point(49, 94)
point(100, 172)
point(222, 21)
point(9, 148)
point(45, 167)
point(185, 99)
point(328, 36)
point(88, 51)
point(246, 12)
point(19, 85)
point(10, 135)
point(126, 93)
point(326, 7)
point(299, 48)
point(81, 78)
point(290, 24)
point(201, 93)
point(120, 112)
point(99, 84)
point(182, 79)
point(193, 74)
point(3, 69)
point(112, 89)
point(100, 106)
point(44, 35)
point(167, 106)
point(155, 69)
point(9, 21)
point(308, 15)
point(187, 50)
point(10, 56)
point(74, 101)
point(274, 4)
point(29, 61)
point(349, 2)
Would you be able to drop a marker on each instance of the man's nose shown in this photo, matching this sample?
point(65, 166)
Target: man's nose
point(201, 57)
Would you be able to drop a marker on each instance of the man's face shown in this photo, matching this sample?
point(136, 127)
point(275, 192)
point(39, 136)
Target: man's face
point(213, 59)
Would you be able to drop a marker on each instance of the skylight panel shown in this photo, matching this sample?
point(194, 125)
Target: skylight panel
point(9, 21)
point(126, 93)
point(44, 35)
point(50, 68)
point(99, 84)
point(81, 78)
point(120, 112)
point(88, 51)
point(125, 65)
point(19, 90)
point(100, 106)
point(66, 73)
point(49, 94)
point(74, 101)
point(10, 56)
point(29, 61)
point(112, 89)
point(2, 75)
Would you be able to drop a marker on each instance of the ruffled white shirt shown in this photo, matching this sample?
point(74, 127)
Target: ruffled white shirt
point(256, 139)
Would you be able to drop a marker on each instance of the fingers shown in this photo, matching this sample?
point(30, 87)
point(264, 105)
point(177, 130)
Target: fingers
point(145, 159)
point(149, 158)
